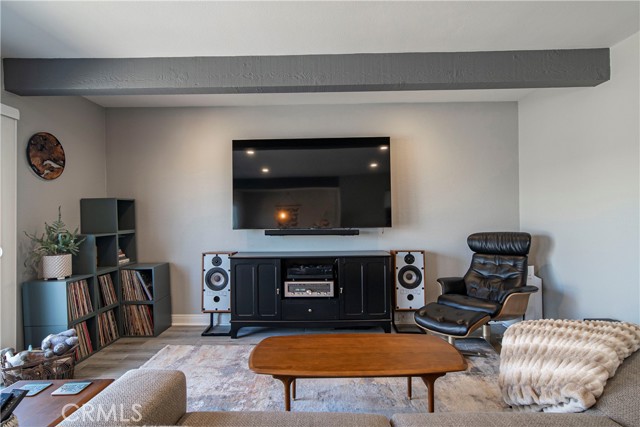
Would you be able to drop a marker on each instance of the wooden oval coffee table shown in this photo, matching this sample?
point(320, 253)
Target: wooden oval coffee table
point(355, 356)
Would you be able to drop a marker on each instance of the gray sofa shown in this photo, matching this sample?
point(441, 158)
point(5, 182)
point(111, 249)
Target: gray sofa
point(161, 397)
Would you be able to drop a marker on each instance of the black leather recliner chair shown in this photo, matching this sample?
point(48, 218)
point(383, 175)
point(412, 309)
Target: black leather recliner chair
point(494, 288)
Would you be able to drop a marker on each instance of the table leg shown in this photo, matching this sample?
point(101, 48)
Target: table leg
point(409, 394)
point(286, 381)
point(429, 381)
point(293, 389)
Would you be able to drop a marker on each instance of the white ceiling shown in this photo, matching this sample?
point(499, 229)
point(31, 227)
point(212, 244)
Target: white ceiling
point(94, 29)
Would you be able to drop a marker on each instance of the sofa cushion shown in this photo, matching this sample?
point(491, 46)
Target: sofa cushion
point(499, 419)
point(282, 419)
point(619, 401)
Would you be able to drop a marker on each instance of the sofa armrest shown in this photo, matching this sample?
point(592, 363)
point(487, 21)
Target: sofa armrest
point(452, 285)
point(519, 290)
point(139, 397)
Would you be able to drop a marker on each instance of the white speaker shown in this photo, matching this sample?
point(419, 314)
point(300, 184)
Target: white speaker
point(216, 282)
point(409, 278)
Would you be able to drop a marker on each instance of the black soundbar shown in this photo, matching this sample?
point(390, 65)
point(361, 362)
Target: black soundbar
point(313, 232)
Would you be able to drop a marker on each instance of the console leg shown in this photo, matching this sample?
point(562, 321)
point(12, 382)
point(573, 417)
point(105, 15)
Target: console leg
point(293, 389)
point(233, 333)
point(409, 391)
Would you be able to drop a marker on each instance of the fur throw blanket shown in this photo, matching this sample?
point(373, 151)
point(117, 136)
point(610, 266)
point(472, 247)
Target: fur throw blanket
point(562, 365)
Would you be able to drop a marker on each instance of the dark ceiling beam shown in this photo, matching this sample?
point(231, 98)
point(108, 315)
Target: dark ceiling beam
point(308, 73)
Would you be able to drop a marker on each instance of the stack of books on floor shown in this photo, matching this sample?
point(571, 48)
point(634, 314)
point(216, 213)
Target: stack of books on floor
point(138, 320)
point(78, 300)
point(107, 290)
point(107, 328)
point(135, 287)
point(85, 348)
point(122, 258)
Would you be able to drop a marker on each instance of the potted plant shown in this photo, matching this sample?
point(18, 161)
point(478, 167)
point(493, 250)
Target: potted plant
point(54, 248)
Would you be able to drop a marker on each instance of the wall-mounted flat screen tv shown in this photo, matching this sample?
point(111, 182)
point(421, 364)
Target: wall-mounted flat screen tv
point(320, 183)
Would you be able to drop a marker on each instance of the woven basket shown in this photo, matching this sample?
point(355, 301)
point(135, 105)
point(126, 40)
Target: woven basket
point(41, 368)
point(12, 421)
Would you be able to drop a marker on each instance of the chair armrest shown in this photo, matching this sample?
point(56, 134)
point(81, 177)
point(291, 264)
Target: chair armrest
point(452, 285)
point(518, 290)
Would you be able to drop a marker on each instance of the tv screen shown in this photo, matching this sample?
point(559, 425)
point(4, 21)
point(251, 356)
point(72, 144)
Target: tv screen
point(320, 183)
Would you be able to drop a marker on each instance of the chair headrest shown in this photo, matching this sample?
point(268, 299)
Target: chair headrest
point(500, 243)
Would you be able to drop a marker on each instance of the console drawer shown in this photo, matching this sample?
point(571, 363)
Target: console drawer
point(310, 309)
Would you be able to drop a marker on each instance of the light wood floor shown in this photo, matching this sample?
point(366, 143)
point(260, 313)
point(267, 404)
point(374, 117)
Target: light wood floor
point(131, 353)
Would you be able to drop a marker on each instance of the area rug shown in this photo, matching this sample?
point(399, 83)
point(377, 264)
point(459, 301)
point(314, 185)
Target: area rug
point(219, 379)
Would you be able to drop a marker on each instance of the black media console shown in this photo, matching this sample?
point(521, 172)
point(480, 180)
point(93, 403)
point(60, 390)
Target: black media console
point(311, 289)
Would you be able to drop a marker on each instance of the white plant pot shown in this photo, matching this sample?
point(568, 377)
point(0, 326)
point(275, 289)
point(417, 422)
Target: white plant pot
point(56, 266)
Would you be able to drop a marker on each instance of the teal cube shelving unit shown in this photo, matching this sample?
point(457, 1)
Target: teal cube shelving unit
point(108, 225)
point(160, 305)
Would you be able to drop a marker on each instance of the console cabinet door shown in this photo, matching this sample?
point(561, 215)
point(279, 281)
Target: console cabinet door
point(255, 289)
point(365, 288)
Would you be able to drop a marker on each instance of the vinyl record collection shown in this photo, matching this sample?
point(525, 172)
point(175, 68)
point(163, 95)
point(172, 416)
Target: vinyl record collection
point(107, 328)
point(79, 300)
point(107, 290)
point(135, 286)
point(85, 348)
point(138, 319)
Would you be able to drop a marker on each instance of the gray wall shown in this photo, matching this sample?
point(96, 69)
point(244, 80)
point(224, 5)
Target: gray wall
point(454, 171)
point(579, 192)
point(562, 165)
point(80, 127)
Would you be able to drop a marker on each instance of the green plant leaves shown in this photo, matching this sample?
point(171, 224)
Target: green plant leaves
point(56, 240)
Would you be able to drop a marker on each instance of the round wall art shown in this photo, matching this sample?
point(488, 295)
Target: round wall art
point(46, 155)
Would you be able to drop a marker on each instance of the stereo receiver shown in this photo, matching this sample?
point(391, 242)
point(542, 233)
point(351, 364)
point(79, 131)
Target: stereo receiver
point(308, 288)
point(310, 272)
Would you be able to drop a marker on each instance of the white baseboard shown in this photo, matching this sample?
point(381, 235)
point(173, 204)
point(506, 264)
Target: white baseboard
point(201, 319)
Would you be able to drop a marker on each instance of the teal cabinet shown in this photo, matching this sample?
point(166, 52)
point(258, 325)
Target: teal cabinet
point(52, 306)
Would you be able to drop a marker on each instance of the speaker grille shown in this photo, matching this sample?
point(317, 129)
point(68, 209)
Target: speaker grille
point(410, 277)
point(216, 279)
